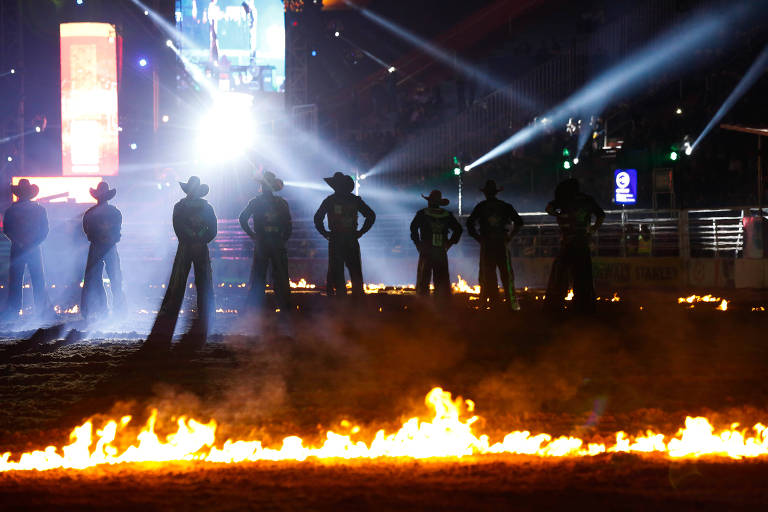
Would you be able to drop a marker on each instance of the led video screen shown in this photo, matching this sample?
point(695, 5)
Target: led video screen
point(53, 189)
point(89, 122)
point(240, 44)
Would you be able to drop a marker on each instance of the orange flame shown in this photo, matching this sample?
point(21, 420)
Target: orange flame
point(448, 434)
point(463, 287)
point(302, 284)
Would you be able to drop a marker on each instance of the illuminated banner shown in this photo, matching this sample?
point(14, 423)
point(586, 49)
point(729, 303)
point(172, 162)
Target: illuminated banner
point(625, 191)
point(89, 134)
point(61, 190)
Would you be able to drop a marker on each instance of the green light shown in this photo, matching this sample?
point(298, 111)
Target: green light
point(566, 165)
point(456, 161)
point(566, 152)
point(673, 156)
point(457, 170)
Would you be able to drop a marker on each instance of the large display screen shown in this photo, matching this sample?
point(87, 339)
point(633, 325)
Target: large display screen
point(54, 189)
point(239, 43)
point(89, 122)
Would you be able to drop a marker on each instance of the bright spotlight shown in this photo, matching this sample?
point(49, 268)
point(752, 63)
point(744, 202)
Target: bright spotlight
point(79, 2)
point(336, 34)
point(227, 129)
point(143, 62)
point(679, 111)
point(457, 170)
point(566, 165)
point(673, 155)
point(13, 71)
point(134, 146)
point(38, 129)
point(146, 13)
point(169, 43)
point(688, 148)
point(166, 118)
point(576, 161)
point(314, 53)
point(10, 158)
point(392, 69)
point(467, 168)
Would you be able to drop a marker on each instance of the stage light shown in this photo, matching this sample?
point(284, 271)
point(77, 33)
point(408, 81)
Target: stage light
point(673, 155)
point(134, 146)
point(679, 111)
point(227, 130)
point(576, 161)
point(688, 148)
point(166, 118)
point(392, 69)
point(169, 43)
point(336, 34)
point(79, 2)
point(38, 129)
point(314, 53)
point(566, 165)
point(753, 74)
point(143, 62)
point(13, 71)
point(10, 158)
point(566, 152)
point(457, 170)
point(146, 13)
point(467, 168)
point(629, 75)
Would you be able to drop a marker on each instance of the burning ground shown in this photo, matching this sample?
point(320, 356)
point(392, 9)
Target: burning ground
point(627, 370)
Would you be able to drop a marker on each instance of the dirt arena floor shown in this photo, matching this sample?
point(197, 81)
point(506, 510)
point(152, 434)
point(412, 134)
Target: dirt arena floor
point(302, 372)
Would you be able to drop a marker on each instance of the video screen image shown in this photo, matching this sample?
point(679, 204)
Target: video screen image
point(240, 41)
point(89, 121)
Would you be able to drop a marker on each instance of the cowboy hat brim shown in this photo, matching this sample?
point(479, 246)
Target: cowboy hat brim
point(25, 192)
point(198, 191)
point(103, 196)
point(344, 182)
point(442, 202)
point(275, 185)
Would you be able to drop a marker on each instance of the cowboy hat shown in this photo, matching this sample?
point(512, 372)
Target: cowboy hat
point(102, 192)
point(436, 197)
point(193, 187)
point(25, 190)
point(269, 180)
point(340, 182)
point(490, 188)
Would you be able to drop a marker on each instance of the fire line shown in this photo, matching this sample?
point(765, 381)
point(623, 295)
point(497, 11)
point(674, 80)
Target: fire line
point(449, 434)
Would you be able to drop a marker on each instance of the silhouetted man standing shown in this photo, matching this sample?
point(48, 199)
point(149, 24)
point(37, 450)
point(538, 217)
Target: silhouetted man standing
point(342, 208)
point(25, 223)
point(271, 230)
point(494, 217)
point(429, 231)
point(574, 211)
point(102, 224)
point(194, 222)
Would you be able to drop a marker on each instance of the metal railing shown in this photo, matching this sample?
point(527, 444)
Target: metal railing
point(625, 233)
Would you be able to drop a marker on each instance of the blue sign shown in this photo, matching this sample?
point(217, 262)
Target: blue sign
point(625, 181)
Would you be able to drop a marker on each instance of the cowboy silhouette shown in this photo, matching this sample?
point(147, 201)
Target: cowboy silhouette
point(101, 224)
point(429, 231)
point(194, 222)
point(342, 208)
point(271, 230)
point(494, 217)
point(574, 211)
point(25, 223)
